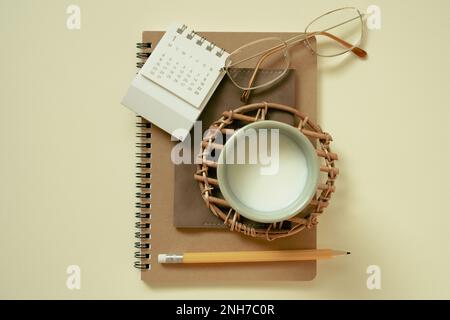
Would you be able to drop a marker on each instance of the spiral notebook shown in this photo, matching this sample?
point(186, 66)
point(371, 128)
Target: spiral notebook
point(155, 230)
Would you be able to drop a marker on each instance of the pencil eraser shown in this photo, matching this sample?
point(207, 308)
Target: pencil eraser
point(162, 258)
point(170, 258)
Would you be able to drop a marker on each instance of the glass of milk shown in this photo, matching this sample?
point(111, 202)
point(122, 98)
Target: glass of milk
point(268, 171)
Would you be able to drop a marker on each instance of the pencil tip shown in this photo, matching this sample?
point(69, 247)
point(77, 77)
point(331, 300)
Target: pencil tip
point(348, 252)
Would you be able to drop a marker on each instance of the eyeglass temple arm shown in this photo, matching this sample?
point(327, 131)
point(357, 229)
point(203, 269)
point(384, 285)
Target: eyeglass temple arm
point(356, 50)
point(246, 93)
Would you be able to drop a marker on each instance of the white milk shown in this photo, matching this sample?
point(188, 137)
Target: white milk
point(271, 192)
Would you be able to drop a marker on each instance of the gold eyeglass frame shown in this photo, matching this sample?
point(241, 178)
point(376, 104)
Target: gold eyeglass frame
point(285, 45)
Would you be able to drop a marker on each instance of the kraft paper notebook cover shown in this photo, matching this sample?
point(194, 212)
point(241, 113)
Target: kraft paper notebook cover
point(156, 232)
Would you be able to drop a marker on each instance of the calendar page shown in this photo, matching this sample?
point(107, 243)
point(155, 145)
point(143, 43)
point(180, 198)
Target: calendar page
point(185, 64)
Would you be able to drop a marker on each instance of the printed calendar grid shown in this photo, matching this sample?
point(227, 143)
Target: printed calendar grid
point(185, 64)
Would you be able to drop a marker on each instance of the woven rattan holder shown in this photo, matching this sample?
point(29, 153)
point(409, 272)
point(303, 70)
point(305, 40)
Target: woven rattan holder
point(209, 187)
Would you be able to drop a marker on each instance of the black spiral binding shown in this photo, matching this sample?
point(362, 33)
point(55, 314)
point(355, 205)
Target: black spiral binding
point(144, 176)
point(144, 165)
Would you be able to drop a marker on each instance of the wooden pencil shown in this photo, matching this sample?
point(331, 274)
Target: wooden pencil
point(250, 256)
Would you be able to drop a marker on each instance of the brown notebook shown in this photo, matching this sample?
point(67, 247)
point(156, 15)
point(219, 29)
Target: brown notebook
point(191, 211)
point(157, 233)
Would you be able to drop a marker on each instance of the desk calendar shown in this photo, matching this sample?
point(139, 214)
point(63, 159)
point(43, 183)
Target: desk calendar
point(177, 80)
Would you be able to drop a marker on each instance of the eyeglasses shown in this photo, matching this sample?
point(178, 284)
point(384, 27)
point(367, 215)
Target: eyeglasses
point(332, 34)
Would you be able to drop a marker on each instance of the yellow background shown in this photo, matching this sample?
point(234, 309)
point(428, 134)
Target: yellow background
point(67, 148)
